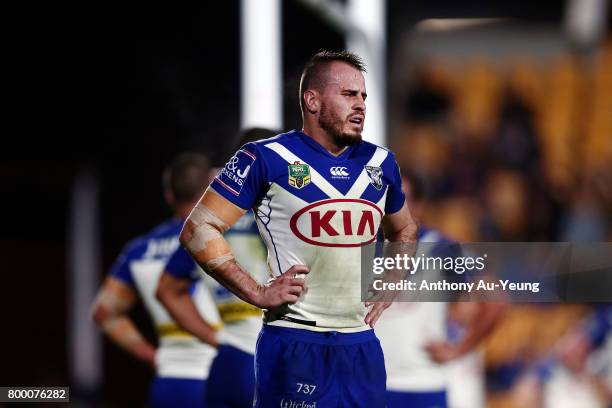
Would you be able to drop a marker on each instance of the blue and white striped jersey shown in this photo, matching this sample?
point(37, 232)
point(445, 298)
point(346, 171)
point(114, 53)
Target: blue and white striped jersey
point(316, 209)
point(140, 266)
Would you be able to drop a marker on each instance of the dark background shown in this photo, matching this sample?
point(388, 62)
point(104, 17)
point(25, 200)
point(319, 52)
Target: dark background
point(120, 89)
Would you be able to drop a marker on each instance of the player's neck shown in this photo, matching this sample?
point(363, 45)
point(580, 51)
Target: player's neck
point(323, 138)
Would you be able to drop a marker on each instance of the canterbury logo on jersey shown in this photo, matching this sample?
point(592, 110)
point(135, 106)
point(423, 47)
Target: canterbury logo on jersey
point(338, 172)
point(344, 222)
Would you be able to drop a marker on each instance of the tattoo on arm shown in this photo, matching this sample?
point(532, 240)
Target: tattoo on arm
point(202, 235)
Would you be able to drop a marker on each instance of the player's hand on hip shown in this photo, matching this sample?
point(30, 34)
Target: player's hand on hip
point(287, 288)
point(378, 300)
point(375, 312)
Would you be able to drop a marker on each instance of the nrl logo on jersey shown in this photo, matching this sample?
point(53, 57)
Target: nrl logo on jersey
point(299, 175)
point(375, 174)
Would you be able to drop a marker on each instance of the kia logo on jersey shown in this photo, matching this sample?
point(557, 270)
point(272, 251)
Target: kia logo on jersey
point(344, 222)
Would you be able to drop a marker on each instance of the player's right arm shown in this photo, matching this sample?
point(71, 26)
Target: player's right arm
point(487, 315)
point(398, 226)
point(202, 236)
point(173, 293)
point(109, 312)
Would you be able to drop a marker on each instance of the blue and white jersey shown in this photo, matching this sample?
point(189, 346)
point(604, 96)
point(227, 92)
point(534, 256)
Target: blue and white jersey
point(316, 209)
point(405, 328)
point(241, 321)
point(140, 266)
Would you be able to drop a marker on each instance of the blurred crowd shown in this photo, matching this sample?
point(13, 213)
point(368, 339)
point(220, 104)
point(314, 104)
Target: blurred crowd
point(513, 153)
point(522, 152)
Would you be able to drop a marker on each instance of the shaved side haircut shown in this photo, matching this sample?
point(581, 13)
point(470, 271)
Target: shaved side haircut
point(313, 74)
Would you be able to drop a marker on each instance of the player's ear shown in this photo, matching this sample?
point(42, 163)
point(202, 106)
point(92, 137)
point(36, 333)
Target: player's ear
point(311, 101)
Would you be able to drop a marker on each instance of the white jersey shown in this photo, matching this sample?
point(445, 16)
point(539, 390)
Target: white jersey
point(562, 388)
point(140, 265)
point(404, 329)
point(315, 209)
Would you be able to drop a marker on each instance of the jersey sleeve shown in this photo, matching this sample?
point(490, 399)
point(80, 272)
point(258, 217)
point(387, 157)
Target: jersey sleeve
point(181, 265)
point(121, 269)
point(395, 195)
point(243, 179)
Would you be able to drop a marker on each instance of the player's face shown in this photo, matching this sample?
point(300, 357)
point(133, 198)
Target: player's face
point(343, 109)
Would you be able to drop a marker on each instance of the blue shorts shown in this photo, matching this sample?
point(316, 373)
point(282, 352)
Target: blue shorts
point(306, 369)
point(231, 381)
point(400, 399)
point(177, 392)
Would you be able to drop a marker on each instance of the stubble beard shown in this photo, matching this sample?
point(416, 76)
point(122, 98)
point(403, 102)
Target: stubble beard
point(332, 124)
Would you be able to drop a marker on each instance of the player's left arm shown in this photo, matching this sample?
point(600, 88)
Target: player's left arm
point(202, 236)
point(487, 316)
point(398, 227)
point(109, 312)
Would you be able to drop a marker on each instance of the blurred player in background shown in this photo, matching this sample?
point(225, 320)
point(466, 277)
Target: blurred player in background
point(414, 335)
point(318, 195)
point(181, 362)
point(577, 371)
point(231, 382)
